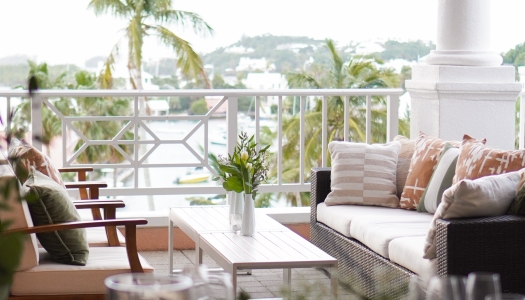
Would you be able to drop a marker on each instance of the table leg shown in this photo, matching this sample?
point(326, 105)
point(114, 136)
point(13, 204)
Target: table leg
point(287, 277)
point(333, 281)
point(233, 272)
point(198, 253)
point(170, 245)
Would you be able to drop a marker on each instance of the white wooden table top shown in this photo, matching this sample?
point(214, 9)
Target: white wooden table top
point(215, 218)
point(266, 249)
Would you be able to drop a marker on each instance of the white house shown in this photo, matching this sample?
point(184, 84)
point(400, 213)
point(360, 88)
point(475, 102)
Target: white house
point(252, 64)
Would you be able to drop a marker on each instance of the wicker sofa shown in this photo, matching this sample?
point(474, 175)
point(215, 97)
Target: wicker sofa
point(493, 244)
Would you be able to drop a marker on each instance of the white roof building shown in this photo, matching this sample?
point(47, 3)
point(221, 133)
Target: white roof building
point(252, 64)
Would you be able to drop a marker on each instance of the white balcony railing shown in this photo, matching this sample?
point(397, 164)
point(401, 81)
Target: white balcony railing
point(203, 125)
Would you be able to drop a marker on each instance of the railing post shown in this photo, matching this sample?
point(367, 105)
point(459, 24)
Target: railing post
point(36, 120)
point(521, 129)
point(392, 117)
point(231, 132)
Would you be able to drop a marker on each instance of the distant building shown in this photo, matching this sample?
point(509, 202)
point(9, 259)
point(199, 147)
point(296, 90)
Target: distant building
point(369, 47)
point(158, 107)
point(253, 64)
point(211, 101)
point(239, 50)
point(266, 81)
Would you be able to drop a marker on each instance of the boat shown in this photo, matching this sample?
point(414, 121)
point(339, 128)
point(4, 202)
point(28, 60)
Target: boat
point(195, 175)
point(193, 178)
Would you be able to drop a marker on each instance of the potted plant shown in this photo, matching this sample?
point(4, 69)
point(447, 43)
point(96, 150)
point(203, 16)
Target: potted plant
point(244, 171)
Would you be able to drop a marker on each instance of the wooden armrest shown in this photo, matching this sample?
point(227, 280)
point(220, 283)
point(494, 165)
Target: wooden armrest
point(75, 169)
point(81, 172)
point(131, 234)
point(80, 224)
point(85, 184)
point(83, 204)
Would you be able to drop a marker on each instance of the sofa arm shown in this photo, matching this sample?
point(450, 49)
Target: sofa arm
point(491, 244)
point(319, 189)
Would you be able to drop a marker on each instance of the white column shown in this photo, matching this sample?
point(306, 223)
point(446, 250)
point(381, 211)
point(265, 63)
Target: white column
point(461, 88)
point(463, 34)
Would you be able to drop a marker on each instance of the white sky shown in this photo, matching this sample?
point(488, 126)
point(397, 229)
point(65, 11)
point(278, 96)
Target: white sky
point(65, 31)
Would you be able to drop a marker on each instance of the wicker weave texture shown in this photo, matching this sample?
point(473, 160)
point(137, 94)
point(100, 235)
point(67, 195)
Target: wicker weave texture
point(491, 244)
point(360, 268)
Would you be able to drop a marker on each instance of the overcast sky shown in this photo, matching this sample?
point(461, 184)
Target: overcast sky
point(65, 31)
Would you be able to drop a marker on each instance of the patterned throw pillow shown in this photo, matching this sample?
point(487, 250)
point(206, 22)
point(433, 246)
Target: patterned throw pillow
point(363, 174)
point(440, 181)
point(483, 197)
point(477, 160)
point(424, 159)
point(403, 161)
point(23, 156)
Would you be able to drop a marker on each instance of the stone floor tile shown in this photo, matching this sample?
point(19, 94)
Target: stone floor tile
point(249, 283)
point(255, 289)
point(261, 295)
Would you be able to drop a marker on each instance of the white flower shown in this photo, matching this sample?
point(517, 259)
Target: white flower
point(249, 166)
point(244, 155)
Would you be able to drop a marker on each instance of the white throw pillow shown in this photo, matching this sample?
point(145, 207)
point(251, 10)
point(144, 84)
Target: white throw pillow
point(482, 197)
point(363, 174)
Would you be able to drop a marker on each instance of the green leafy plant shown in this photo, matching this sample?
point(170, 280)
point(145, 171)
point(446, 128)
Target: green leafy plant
point(246, 168)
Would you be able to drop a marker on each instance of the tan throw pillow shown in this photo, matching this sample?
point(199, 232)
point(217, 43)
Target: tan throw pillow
point(482, 197)
point(363, 174)
point(22, 156)
point(426, 153)
point(477, 160)
point(403, 161)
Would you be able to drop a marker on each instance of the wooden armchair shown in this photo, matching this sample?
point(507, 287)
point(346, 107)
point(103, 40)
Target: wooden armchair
point(89, 192)
point(39, 277)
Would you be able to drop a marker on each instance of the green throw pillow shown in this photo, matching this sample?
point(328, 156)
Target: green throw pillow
point(441, 179)
point(51, 205)
point(517, 207)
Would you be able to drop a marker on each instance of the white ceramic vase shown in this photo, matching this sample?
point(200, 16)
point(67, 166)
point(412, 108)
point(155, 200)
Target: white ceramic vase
point(248, 216)
point(236, 210)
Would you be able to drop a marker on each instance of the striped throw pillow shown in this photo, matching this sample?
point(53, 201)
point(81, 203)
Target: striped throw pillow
point(440, 181)
point(363, 174)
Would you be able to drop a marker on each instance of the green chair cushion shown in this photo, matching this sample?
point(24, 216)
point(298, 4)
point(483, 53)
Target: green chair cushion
point(50, 204)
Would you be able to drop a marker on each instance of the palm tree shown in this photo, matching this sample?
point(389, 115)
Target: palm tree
point(51, 124)
point(148, 18)
point(360, 72)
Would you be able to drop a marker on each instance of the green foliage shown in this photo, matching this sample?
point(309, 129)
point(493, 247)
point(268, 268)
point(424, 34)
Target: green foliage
point(515, 56)
point(11, 245)
point(266, 46)
point(199, 107)
point(410, 51)
point(245, 169)
point(150, 18)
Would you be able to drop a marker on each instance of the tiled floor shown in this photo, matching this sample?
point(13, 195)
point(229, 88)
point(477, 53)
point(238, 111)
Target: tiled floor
point(312, 283)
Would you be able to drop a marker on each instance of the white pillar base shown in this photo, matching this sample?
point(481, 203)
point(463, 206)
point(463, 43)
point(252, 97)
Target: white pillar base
point(463, 58)
point(450, 101)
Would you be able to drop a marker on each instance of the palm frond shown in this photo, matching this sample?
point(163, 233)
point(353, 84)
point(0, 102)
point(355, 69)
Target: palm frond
point(185, 19)
point(188, 60)
point(116, 7)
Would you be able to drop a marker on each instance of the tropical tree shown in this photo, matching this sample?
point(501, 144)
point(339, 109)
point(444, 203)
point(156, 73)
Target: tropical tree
point(51, 125)
point(149, 18)
point(359, 72)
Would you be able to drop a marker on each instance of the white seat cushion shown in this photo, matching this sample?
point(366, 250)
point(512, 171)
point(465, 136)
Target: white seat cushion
point(51, 278)
point(376, 232)
point(339, 217)
point(96, 237)
point(408, 252)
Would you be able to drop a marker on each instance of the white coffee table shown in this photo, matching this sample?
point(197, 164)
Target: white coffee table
point(273, 246)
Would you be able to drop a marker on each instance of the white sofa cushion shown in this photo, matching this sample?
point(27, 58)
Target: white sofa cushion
point(376, 232)
point(88, 279)
point(408, 252)
point(339, 217)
